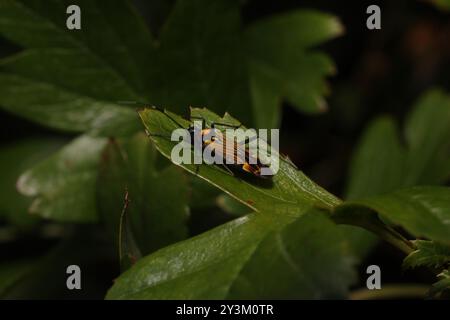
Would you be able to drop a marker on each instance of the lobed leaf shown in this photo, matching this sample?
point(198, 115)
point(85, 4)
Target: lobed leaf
point(382, 163)
point(233, 260)
point(14, 159)
point(429, 254)
point(286, 193)
point(422, 211)
point(157, 207)
point(63, 186)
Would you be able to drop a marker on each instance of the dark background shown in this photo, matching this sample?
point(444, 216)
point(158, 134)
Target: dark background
point(378, 71)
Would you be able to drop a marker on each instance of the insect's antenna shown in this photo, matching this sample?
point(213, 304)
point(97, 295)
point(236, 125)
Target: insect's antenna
point(153, 107)
point(196, 117)
point(168, 116)
point(157, 135)
point(218, 123)
point(228, 125)
point(199, 118)
point(133, 103)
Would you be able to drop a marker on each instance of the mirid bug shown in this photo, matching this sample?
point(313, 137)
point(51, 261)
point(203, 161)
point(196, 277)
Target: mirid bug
point(237, 157)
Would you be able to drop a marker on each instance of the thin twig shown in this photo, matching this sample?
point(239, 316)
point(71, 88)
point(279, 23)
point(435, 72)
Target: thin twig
point(122, 217)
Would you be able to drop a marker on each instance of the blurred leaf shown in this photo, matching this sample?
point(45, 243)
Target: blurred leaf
point(422, 211)
point(200, 59)
point(433, 255)
point(378, 163)
point(441, 286)
point(11, 273)
point(203, 63)
point(14, 159)
point(442, 4)
point(44, 277)
point(202, 194)
point(282, 64)
point(63, 186)
point(429, 254)
point(157, 210)
point(51, 82)
point(427, 134)
point(286, 193)
point(381, 163)
point(58, 108)
point(233, 260)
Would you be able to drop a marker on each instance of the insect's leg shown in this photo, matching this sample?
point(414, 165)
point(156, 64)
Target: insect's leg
point(167, 115)
point(130, 102)
point(250, 139)
point(249, 168)
point(234, 126)
point(197, 168)
point(149, 134)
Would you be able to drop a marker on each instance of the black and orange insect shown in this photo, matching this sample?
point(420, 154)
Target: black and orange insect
point(241, 159)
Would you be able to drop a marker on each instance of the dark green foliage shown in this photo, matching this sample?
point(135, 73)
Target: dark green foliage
point(96, 191)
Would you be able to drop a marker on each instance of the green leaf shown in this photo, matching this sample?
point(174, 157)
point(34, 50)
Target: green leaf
point(63, 186)
point(233, 260)
point(378, 163)
point(422, 211)
point(442, 4)
point(312, 257)
point(286, 193)
point(12, 273)
point(58, 108)
point(427, 133)
point(157, 210)
point(231, 206)
point(228, 261)
point(204, 56)
point(52, 81)
point(200, 59)
point(441, 286)
point(429, 254)
point(381, 162)
point(88, 56)
point(203, 194)
point(282, 64)
point(14, 159)
point(44, 277)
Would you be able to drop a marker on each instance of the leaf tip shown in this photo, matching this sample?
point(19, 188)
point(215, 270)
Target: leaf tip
point(336, 26)
point(322, 105)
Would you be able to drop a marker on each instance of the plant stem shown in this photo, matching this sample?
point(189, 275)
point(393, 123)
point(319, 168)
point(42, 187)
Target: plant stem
point(366, 219)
